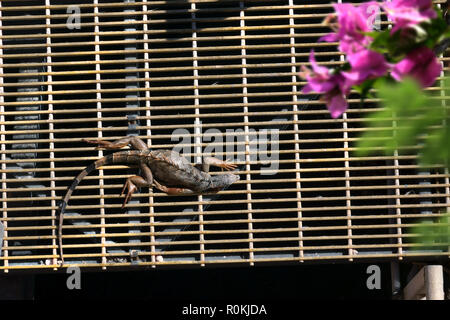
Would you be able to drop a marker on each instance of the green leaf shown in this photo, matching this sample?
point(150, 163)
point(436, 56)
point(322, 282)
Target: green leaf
point(372, 34)
point(409, 118)
point(364, 88)
point(397, 45)
point(380, 41)
point(433, 235)
point(436, 31)
point(392, 127)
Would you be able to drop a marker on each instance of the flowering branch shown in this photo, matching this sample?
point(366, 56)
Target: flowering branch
point(406, 50)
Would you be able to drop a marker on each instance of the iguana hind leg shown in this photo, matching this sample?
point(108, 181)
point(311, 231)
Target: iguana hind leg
point(135, 142)
point(135, 182)
point(173, 191)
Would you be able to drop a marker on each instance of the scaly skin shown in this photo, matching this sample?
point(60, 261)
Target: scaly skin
point(167, 170)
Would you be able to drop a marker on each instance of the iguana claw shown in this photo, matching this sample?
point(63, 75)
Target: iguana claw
point(228, 165)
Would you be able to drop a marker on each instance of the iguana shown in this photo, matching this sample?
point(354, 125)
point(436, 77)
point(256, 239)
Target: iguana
point(167, 170)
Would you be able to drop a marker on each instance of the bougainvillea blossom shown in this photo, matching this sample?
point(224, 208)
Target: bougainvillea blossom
point(406, 13)
point(334, 86)
point(366, 64)
point(421, 64)
point(381, 54)
point(351, 23)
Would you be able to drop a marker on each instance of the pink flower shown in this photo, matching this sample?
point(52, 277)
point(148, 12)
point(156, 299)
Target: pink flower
point(320, 79)
point(366, 64)
point(336, 103)
point(406, 13)
point(333, 86)
point(351, 23)
point(422, 64)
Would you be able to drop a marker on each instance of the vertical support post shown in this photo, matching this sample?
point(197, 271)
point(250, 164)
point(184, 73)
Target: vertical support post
point(398, 210)
point(3, 150)
point(48, 31)
point(427, 284)
point(132, 103)
point(434, 282)
point(247, 134)
point(148, 124)
point(348, 194)
point(198, 127)
point(98, 87)
point(397, 205)
point(296, 129)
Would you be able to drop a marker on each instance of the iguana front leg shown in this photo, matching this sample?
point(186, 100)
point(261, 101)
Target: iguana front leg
point(211, 161)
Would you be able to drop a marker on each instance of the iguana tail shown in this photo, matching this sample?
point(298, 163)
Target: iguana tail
point(129, 157)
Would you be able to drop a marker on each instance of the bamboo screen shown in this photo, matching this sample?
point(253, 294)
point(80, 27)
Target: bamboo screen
point(205, 77)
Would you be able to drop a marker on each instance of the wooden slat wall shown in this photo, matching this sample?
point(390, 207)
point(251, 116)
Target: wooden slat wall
point(195, 72)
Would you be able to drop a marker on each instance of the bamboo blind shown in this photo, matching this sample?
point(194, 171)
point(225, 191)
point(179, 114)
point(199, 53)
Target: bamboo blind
point(192, 72)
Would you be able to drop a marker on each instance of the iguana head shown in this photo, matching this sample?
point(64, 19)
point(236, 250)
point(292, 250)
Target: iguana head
point(222, 181)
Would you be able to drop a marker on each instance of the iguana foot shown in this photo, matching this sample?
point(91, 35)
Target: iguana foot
point(228, 165)
point(220, 163)
point(131, 189)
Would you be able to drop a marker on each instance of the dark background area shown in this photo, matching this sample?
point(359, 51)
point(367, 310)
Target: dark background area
point(259, 283)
